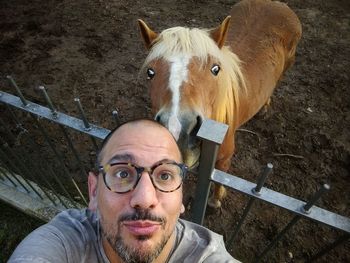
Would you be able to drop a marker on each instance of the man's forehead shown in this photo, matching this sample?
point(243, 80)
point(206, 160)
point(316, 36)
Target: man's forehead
point(139, 125)
point(140, 130)
point(126, 157)
point(138, 136)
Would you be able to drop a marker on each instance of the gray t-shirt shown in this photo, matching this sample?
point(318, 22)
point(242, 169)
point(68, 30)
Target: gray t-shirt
point(74, 236)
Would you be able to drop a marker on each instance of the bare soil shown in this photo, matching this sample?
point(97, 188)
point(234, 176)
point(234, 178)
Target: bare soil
point(92, 50)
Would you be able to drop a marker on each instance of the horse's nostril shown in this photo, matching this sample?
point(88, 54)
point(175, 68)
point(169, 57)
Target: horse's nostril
point(157, 118)
point(198, 124)
point(199, 120)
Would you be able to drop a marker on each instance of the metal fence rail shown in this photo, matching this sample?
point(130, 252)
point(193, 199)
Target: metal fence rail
point(212, 134)
point(41, 177)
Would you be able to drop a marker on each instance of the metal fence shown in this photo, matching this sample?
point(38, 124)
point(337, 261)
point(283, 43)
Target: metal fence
point(41, 170)
point(42, 174)
point(212, 135)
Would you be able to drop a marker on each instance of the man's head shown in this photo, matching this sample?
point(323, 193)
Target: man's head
point(137, 225)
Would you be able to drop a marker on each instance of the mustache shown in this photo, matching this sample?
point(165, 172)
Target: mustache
point(141, 214)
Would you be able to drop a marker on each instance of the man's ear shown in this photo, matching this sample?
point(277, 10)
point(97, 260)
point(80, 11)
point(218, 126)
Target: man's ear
point(182, 209)
point(92, 184)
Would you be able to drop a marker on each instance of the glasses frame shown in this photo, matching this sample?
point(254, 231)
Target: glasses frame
point(139, 169)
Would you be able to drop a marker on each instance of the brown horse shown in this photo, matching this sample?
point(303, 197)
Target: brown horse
point(227, 73)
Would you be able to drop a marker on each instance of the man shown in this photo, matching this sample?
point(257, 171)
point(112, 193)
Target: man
point(134, 209)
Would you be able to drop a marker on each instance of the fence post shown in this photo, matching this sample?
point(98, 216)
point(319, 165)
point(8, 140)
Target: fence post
point(212, 134)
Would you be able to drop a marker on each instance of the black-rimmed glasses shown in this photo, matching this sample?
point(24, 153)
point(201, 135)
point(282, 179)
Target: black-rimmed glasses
point(121, 177)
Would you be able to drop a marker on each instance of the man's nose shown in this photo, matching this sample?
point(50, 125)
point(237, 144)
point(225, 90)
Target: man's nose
point(144, 195)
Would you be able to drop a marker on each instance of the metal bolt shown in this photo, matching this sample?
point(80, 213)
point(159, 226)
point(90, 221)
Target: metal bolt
point(24, 101)
point(116, 117)
point(306, 208)
point(262, 179)
point(48, 100)
point(82, 114)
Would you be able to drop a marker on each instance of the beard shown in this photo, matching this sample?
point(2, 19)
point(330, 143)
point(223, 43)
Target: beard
point(133, 255)
point(127, 253)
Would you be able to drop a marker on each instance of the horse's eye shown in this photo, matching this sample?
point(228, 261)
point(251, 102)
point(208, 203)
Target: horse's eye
point(215, 69)
point(150, 73)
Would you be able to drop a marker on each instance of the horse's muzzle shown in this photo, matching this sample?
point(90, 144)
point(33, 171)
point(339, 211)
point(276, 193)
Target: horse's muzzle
point(189, 143)
point(187, 139)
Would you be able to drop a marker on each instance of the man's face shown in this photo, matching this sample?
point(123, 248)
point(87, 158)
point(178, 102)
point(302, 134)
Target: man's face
point(156, 212)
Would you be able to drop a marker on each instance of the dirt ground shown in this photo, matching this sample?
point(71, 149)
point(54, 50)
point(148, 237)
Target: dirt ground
point(92, 49)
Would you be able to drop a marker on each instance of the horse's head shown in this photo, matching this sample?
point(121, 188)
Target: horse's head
point(186, 72)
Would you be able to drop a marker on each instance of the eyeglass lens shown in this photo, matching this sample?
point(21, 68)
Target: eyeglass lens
point(123, 177)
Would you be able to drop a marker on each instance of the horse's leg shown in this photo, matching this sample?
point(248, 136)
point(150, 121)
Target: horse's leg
point(219, 191)
point(266, 106)
point(216, 198)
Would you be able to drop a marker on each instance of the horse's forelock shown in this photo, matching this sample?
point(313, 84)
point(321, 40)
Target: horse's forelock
point(181, 40)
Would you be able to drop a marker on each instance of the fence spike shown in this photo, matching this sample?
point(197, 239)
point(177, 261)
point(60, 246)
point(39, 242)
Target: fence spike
point(85, 121)
point(324, 188)
point(24, 101)
point(82, 114)
point(115, 115)
point(262, 178)
point(48, 100)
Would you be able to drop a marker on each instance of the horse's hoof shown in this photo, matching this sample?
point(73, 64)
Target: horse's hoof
point(214, 204)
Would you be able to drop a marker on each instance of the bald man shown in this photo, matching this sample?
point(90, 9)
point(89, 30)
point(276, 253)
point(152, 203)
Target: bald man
point(134, 209)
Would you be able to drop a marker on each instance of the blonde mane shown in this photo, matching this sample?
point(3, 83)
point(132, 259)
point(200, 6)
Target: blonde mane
point(198, 43)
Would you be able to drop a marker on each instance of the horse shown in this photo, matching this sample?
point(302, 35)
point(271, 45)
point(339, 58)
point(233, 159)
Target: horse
point(227, 73)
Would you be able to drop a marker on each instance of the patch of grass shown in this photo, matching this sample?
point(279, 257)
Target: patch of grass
point(14, 227)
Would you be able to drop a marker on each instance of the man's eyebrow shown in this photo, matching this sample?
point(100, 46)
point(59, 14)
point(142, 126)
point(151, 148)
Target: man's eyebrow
point(122, 158)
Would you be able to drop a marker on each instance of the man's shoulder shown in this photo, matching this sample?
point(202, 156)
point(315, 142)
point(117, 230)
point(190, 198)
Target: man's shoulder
point(199, 244)
point(71, 224)
point(192, 231)
point(81, 220)
point(66, 235)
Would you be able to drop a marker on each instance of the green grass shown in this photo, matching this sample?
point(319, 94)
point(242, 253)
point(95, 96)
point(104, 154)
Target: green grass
point(14, 226)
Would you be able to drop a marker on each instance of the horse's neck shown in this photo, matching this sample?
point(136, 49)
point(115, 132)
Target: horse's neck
point(258, 33)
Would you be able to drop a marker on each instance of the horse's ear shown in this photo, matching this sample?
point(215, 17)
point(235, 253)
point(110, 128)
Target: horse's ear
point(219, 34)
point(147, 34)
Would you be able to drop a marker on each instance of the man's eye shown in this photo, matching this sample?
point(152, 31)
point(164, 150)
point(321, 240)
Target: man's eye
point(122, 174)
point(165, 176)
